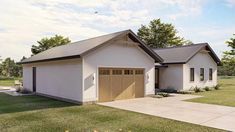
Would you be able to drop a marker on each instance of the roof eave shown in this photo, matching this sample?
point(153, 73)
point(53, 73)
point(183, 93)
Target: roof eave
point(166, 63)
point(51, 59)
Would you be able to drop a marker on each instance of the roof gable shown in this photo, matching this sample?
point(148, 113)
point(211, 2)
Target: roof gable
point(80, 48)
point(182, 54)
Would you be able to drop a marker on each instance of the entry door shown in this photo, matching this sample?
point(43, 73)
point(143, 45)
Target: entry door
point(34, 79)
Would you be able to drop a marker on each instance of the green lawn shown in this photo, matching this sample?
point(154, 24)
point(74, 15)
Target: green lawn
point(6, 82)
point(224, 96)
point(33, 113)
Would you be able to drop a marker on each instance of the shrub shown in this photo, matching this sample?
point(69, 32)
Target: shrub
point(197, 89)
point(156, 96)
point(217, 87)
point(185, 92)
point(24, 91)
point(163, 94)
point(168, 90)
point(207, 88)
point(18, 89)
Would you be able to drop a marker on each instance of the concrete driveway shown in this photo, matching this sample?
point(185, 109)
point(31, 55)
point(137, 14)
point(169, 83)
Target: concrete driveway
point(174, 107)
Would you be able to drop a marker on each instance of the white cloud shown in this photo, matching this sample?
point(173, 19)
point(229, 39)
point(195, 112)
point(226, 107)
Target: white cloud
point(24, 22)
point(187, 8)
point(230, 3)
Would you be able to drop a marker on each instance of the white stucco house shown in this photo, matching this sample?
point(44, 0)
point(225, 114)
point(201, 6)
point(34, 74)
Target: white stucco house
point(185, 67)
point(116, 66)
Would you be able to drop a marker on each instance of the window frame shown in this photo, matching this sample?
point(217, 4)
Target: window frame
point(192, 75)
point(202, 74)
point(128, 72)
point(210, 74)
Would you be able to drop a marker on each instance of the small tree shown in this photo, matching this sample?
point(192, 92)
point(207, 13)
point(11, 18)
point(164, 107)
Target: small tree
point(47, 43)
point(228, 59)
point(160, 35)
point(7, 67)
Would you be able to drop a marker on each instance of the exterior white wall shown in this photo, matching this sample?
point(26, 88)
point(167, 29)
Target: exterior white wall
point(171, 76)
point(115, 55)
point(200, 60)
point(56, 78)
point(27, 77)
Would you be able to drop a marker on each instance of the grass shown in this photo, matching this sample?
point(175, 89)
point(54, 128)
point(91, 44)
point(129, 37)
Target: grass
point(224, 96)
point(8, 81)
point(34, 113)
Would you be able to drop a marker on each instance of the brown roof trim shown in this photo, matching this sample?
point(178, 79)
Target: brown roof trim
point(212, 54)
point(52, 59)
point(174, 63)
point(147, 49)
point(135, 38)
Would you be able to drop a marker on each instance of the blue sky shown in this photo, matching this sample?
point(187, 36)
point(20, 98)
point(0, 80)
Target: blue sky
point(24, 22)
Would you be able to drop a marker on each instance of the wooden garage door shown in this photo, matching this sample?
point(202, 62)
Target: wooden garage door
point(120, 83)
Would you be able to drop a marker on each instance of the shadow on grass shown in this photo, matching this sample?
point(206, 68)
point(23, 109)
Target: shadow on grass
point(11, 104)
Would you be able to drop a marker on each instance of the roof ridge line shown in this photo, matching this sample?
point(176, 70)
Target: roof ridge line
point(99, 36)
point(180, 46)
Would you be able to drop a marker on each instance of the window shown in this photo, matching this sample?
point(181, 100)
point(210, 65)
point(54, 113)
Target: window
point(128, 72)
point(191, 74)
point(210, 74)
point(117, 72)
point(104, 72)
point(201, 74)
point(139, 72)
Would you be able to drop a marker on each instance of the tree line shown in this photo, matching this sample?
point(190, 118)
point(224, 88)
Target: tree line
point(228, 59)
point(156, 34)
point(9, 68)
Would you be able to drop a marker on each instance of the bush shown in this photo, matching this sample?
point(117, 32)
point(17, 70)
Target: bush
point(163, 94)
point(18, 89)
point(24, 91)
point(207, 88)
point(197, 89)
point(156, 96)
point(217, 87)
point(166, 90)
point(185, 92)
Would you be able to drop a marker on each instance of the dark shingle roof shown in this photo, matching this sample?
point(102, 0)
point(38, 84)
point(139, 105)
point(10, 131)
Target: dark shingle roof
point(182, 54)
point(77, 49)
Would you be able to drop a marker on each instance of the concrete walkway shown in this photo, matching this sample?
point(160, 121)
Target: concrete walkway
point(6, 88)
point(216, 116)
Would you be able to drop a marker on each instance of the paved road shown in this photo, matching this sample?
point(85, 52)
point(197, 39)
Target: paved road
point(216, 116)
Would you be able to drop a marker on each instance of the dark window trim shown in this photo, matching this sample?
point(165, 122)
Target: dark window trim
point(210, 74)
point(192, 74)
point(202, 74)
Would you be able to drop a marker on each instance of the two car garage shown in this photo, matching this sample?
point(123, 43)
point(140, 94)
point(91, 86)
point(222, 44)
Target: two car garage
point(120, 83)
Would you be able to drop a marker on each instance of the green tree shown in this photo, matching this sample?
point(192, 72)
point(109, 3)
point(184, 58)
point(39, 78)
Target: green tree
point(7, 67)
point(47, 43)
point(160, 35)
point(228, 59)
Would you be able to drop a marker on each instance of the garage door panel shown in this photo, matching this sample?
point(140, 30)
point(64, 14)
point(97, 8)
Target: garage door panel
point(128, 84)
point(104, 86)
point(121, 83)
point(139, 91)
point(139, 83)
point(116, 85)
